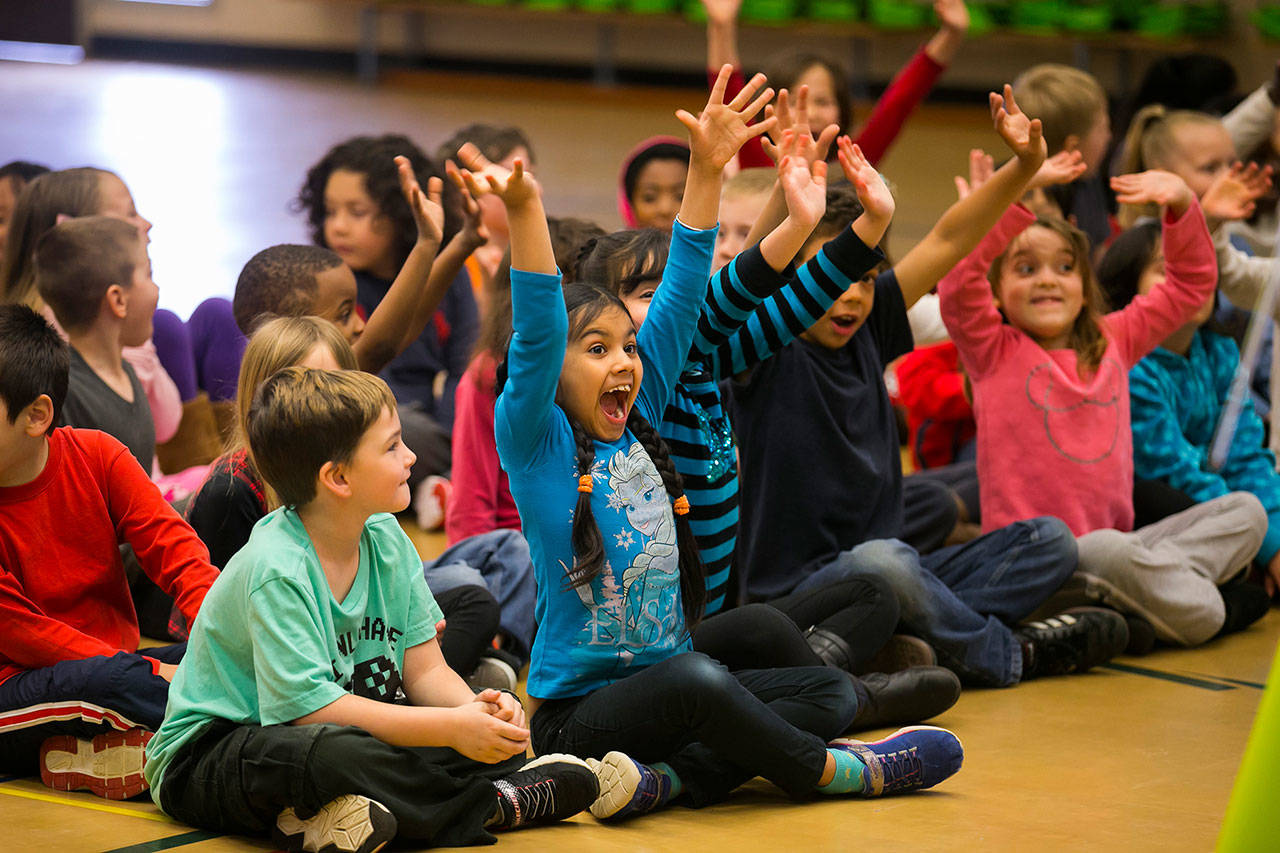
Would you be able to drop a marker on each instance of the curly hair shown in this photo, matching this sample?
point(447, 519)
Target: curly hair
point(374, 158)
point(279, 281)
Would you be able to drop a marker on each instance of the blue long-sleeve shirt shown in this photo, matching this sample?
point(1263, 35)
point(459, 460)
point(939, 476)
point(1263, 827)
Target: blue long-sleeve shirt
point(630, 615)
point(1174, 406)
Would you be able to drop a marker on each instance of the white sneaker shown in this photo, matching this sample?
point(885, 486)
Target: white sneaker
point(492, 672)
point(348, 824)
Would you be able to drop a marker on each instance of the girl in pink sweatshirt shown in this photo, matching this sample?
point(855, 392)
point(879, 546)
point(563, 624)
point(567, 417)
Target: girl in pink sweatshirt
point(1050, 369)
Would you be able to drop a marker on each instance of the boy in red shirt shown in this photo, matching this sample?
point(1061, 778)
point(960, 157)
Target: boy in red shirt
point(74, 690)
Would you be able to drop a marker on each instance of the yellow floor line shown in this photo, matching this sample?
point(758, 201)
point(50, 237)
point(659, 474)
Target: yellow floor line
point(97, 807)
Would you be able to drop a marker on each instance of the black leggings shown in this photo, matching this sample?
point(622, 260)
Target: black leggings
point(472, 616)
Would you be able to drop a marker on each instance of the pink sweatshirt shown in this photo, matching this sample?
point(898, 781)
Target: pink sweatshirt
point(481, 499)
point(1050, 442)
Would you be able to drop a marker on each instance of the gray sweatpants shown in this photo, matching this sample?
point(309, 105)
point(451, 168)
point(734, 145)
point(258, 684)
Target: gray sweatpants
point(1169, 572)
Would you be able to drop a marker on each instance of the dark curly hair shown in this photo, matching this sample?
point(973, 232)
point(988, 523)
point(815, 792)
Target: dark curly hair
point(374, 158)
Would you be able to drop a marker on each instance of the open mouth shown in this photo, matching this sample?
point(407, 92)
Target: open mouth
point(1047, 299)
point(614, 403)
point(844, 324)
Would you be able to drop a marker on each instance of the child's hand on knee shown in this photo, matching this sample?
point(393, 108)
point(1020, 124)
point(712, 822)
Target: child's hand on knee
point(428, 212)
point(481, 735)
point(716, 133)
point(1154, 186)
point(1023, 135)
point(508, 706)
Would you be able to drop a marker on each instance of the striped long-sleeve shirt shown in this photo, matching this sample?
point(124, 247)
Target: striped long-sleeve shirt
point(750, 313)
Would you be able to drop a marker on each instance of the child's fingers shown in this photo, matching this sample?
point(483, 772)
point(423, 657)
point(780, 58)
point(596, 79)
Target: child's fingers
point(471, 157)
point(802, 105)
point(996, 104)
point(435, 190)
point(823, 144)
point(688, 119)
point(1010, 105)
point(761, 127)
point(819, 171)
point(748, 92)
point(721, 84)
point(757, 105)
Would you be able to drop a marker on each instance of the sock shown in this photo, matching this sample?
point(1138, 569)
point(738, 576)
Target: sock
point(674, 786)
point(848, 778)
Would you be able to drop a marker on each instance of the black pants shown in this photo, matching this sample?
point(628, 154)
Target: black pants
point(237, 779)
point(716, 729)
point(471, 615)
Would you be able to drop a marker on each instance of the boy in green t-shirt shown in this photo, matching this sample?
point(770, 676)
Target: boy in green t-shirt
point(313, 695)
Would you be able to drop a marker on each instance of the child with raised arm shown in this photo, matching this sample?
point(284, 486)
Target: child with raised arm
point(290, 710)
point(822, 481)
point(76, 694)
point(619, 578)
point(1050, 383)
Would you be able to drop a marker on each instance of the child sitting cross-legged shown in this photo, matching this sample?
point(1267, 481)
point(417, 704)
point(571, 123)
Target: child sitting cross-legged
point(76, 694)
point(287, 708)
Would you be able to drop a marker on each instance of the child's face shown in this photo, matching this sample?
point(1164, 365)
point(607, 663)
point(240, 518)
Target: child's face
point(1041, 290)
point(117, 202)
point(378, 472)
point(140, 301)
point(637, 301)
point(846, 315)
point(1153, 277)
point(355, 227)
point(737, 215)
point(1203, 152)
point(336, 301)
point(824, 109)
point(1093, 148)
point(601, 375)
point(8, 198)
point(658, 193)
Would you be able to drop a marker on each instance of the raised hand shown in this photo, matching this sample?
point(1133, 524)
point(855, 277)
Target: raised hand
point(981, 166)
point(1154, 186)
point(1023, 135)
point(952, 14)
point(1233, 194)
point(872, 192)
point(716, 133)
point(804, 186)
point(428, 212)
point(722, 11)
point(482, 177)
point(1062, 168)
point(798, 121)
point(473, 233)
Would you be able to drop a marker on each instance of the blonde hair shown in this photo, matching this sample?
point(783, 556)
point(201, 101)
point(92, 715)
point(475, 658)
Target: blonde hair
point(302, 418)
point(1066, 100)
point(749, 183)
point(1152, 143)
point(277, 344)
point(1087, 338)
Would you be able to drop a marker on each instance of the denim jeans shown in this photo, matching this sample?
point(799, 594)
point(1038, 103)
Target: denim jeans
point(962, 599)
point(237, 778)
point(716, 729)
point(499, 561)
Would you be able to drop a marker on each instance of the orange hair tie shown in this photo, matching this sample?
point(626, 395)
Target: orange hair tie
point(681, 505)
point(585, 484)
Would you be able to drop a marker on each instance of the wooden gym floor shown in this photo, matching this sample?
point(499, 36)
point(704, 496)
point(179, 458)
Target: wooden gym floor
point(1139, 755)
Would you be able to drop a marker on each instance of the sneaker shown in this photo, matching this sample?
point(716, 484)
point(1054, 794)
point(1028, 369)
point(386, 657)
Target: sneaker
point(902, 651)
point(430, 500)
point(627, 787)
point(109, 765)
point(1073, 641)
point(909, 696)
point(1142, 636)
point(546, 790)
point(1244, 604)
point(348, 824)
point(493, 672)
point(910, 759)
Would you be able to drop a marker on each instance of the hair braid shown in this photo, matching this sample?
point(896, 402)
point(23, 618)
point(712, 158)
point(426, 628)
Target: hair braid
point(693, 585)
point(588, 544)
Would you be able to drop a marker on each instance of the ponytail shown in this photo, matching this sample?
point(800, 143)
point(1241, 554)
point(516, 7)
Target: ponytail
point(588, 544)
point(1151, 143)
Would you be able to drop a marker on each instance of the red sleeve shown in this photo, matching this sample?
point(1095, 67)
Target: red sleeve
point(31, 639)
point(895, 106)
point(168, 550)
point(473, 505)
point(751, 154)
point(931, 385)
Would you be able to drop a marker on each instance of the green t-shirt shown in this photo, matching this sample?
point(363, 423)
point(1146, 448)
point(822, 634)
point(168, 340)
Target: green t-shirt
point(271, 644)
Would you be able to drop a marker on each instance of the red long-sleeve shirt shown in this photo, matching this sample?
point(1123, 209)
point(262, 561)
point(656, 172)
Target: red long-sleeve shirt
point(481, 499)
point(63, 590)
point(939, 417)
point(908, 89)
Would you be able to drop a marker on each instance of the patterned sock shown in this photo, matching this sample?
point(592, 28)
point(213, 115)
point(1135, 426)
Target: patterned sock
point(849, 774)
point(674, 786)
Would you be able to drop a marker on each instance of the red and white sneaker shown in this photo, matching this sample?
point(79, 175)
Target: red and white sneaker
point(109, 765)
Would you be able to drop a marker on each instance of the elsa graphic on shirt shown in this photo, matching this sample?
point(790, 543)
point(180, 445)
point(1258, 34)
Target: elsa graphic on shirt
point(643, 610)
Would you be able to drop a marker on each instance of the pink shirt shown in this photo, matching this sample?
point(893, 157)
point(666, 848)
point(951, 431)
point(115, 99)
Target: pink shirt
point(1050, 442)
point(481, 499)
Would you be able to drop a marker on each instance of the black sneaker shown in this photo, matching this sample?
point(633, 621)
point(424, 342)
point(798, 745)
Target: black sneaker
point(1244, 603)
point(546, 790)
point(908, 696)
point(348, 824)
point(1073, 641)
point(1142, 635)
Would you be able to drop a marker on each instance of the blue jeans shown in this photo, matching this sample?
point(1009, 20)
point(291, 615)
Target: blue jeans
point(716, 729)
point(962, 599)
point(499, 561)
